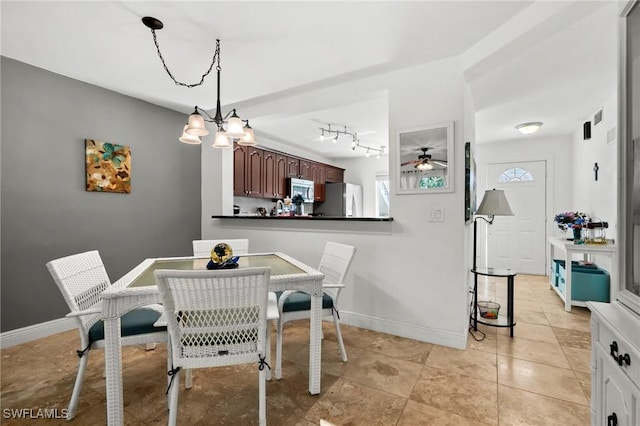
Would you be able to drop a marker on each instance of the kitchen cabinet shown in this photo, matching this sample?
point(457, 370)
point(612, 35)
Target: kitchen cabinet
point(318, 176)
point(274, 175)
point(248, 171)
point(263, 173)
point(334, 174)
point(293, 167)
point(305, 169)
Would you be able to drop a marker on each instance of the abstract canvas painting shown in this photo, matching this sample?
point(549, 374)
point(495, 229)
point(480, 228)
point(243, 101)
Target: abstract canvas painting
point(108, 167)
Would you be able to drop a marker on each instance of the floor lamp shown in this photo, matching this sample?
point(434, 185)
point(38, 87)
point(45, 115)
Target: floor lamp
point(494, 203)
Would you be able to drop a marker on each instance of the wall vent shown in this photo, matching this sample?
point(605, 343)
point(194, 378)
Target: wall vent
point(611, 135)
point(597, 118)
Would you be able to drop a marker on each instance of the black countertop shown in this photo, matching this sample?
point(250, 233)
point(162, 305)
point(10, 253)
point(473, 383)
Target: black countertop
point(312, 218)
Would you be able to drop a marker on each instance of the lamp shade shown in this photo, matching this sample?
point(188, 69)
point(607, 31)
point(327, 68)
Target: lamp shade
point(494, 203)
point(221, 140)
point(196, 126)
point(187, 138)
point(235, 126)
point(249, 138)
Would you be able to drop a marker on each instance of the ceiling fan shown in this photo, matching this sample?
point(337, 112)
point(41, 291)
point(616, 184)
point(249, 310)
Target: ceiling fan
point(425, 162)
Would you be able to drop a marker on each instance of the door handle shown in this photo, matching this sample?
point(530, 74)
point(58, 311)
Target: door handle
point(612, 420)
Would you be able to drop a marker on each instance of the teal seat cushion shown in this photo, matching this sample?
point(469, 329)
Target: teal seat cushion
point(138, 321)
point(300, 301)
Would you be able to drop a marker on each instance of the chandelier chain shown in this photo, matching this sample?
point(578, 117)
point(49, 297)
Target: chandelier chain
point(216, 58)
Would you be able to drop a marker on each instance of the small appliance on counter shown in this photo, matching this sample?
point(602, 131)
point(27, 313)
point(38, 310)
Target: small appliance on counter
point(236, 209)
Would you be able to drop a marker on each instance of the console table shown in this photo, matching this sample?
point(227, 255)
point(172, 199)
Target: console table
point(501, 321)
point(567, 249)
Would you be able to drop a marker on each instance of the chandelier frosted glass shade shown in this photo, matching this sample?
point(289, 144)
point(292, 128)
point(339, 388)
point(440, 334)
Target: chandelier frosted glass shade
point(221, 140)
point(249, 138)
point(235, 127)
point(195, 126)
point(187, 138)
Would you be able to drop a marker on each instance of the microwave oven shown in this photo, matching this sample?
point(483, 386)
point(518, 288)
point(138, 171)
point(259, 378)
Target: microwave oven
point(302, 187)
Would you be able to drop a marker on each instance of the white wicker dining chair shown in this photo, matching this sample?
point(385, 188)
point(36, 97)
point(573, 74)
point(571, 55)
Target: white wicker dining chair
point(295, 305)
point(81, 279)
point(215, 318)
point(202, 248)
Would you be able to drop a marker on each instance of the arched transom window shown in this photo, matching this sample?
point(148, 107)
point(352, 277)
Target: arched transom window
point(515, 174)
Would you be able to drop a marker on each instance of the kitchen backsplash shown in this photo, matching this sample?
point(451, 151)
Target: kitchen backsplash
point(250, 205)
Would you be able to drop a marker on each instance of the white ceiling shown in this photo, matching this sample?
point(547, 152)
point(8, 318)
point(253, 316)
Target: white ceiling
point(525, 61)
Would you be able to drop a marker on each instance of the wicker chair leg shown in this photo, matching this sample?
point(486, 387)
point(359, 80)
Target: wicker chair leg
point(280, 325)
point(343, 352)
point(77, 387)
point(188, 378)
point(262, 404)
point(173, 399)
point(268, 345)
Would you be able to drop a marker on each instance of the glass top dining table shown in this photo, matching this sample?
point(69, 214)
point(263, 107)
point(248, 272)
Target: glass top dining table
point(279, 266)
point(138, 288)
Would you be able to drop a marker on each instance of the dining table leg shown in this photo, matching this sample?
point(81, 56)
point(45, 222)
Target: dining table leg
point(315, 343)
point(113, 368)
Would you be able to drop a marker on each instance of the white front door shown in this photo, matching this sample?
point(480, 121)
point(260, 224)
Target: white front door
point(518, 242)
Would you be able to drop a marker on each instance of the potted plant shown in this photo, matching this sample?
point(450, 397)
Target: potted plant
point(297, 200)
point(571, 220)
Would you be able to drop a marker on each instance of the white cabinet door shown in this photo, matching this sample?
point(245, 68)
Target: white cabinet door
point(620, 400)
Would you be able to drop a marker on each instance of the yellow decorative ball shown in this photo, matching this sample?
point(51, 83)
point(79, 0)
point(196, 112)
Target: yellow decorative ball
point(221, 253)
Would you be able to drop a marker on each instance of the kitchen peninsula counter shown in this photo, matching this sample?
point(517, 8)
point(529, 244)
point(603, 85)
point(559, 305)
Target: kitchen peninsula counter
point(307, 218)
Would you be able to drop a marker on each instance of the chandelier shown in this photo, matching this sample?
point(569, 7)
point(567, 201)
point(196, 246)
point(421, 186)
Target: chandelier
point(326, 133)
point(237, 130)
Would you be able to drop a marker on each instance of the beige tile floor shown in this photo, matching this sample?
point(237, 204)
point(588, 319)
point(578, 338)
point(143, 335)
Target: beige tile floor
point(539, 377)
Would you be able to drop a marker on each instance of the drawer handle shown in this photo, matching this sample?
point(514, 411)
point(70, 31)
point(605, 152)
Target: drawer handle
point(612, 420)
point(624, 359)
point(620, 359)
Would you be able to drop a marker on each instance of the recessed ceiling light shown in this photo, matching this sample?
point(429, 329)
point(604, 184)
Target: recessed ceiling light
point(529, 128)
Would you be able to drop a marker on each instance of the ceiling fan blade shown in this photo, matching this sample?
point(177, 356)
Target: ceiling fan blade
point(440, 163)
point(406, 163)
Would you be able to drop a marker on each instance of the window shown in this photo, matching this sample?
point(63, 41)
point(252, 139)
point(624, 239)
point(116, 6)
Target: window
point(382, 195)
point(515, 174)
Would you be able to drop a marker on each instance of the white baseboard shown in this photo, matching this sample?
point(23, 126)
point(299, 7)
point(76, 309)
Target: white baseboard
point(410, 331)
point(36, 331)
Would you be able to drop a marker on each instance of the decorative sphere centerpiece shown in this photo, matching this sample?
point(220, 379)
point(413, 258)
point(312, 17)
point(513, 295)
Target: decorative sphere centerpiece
point(222, 257)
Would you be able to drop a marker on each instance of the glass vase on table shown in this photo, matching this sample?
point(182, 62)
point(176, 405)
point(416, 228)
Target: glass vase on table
point(577, 233)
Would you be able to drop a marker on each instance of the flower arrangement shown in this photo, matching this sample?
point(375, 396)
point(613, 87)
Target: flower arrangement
point(568, 220)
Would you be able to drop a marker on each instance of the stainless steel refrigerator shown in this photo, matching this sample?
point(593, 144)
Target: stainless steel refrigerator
point(340, 199)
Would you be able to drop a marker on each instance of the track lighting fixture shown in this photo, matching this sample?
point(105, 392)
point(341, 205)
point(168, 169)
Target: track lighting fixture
point(355, 142)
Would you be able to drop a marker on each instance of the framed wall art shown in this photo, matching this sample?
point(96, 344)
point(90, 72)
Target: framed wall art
point(469, 183)
point(108, 167)
point(425, 159)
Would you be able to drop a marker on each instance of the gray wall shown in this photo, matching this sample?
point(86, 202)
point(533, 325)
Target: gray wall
point(46, 213)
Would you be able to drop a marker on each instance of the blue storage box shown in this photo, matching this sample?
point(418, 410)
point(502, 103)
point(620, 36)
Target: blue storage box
point(588, 282)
